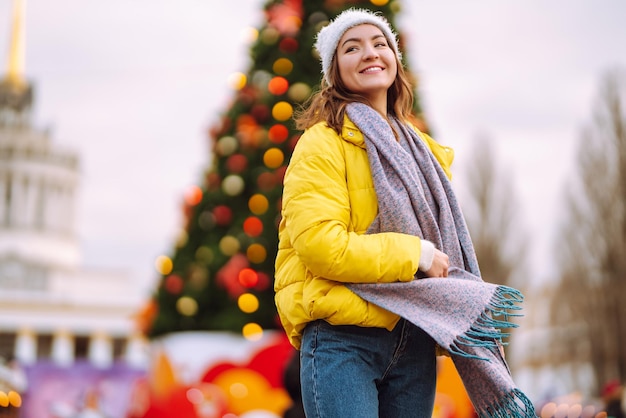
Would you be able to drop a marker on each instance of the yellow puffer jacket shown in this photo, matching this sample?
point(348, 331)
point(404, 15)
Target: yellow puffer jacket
point(328, 203)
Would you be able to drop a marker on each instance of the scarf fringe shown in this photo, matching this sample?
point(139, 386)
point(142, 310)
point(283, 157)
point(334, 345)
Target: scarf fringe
point(486, 331)
point(514, 405)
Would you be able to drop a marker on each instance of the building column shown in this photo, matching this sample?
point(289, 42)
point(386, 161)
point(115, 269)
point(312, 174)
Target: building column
point(63, 348)
point(30, 202)
point(3, 202)
point(100, 350)
point(15, 207)
point(25, 350)
point(136, 354)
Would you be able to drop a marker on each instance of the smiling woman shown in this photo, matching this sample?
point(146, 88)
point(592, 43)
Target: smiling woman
point(375, 267)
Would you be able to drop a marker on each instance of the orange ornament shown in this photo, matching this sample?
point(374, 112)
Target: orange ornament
point(278, 85)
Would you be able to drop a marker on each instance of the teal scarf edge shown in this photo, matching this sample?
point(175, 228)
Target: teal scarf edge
point(486, 331)
point(514, 404)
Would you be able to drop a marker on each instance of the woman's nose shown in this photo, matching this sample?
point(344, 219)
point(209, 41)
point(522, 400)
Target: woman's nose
point(370, 52)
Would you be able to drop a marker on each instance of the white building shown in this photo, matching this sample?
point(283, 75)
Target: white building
point(50, 306)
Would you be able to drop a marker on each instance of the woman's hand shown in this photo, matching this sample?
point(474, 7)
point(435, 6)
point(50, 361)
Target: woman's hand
point(440, 265)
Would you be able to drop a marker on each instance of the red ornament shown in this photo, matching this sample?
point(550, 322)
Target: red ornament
point(248, 278)
point(223, 215)
point(288, 45)
point(272, 360)
point(266, 181)
point(253, 226)
point(237, 163)
point(278, 133)
point(260, 112)
point(174, 284)
point(228, 276)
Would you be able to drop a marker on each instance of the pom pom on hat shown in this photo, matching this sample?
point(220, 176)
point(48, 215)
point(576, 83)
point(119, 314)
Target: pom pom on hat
point(329, 36)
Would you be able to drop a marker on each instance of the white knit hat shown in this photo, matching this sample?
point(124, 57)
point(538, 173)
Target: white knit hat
point(329, 36)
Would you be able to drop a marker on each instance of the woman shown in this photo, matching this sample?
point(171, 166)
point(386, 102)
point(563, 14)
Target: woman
point(342, 228)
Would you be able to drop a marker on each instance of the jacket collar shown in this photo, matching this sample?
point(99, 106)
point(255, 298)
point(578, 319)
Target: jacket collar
point(351, 133)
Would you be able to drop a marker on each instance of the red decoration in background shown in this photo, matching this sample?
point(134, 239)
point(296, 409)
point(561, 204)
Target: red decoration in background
point(174, 404)
point(248, 278)
point(260, 112)
point(286, 17)
point(253, 226)
point(223, 215)
point(266, 181)
point(262, 375)
point(228, 275)
point(237, 163)
point(278, 133)
point(269, 362)
point(288, 45)
point(174, 284)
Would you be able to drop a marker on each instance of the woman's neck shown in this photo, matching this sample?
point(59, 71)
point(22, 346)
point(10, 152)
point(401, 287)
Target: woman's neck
point(380, 105)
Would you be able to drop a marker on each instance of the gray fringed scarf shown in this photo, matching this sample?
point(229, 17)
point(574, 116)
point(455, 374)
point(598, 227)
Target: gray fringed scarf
point(459, 312)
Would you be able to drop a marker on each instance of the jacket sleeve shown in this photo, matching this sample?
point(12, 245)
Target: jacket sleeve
point(317, 212)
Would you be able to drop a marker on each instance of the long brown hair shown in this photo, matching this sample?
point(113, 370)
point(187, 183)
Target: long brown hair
point(329, 102)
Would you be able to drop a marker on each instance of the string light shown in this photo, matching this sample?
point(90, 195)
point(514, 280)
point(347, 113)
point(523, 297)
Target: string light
point(193, 195)
point(187, 306)
point(252, 332)
point(273, 158)
point(237, 81)
point(258, 204)
point(229, 245)
point(163, 265)
point(278, 85)
point(248, 303)
point(256, 253)
point(282, 66)
point(282, 111)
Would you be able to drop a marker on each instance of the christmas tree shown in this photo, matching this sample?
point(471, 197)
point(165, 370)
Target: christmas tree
point(220, 274)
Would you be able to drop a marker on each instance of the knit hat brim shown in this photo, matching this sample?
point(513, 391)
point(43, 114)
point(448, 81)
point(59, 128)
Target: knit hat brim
point(329, 36)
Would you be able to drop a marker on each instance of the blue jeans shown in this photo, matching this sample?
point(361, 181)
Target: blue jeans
point(350, 371)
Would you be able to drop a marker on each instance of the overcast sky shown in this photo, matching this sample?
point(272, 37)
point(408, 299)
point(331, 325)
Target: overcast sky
point(133, 85)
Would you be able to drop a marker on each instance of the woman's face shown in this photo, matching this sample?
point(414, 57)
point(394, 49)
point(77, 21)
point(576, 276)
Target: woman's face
point(367, 64)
